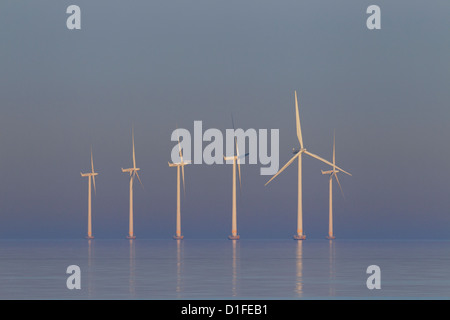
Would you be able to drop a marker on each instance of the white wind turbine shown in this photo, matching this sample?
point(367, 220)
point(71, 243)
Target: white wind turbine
point(332, 173)
point(181, 164)
point(90, 175)
point(133, 172)
point(298, 154)
point(236, 159)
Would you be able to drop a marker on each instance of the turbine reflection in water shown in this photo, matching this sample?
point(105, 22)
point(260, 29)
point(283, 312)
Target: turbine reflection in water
point(179, 288)
point(90, 249)
point(299, 271)
point(234, 291)
point(332, 288)
point(132, 269)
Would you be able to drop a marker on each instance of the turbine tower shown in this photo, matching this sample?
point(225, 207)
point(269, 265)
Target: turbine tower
point(133, 172)
point(332, 173)
point(179, 165)
point(236, 159)
point(90, 175)
point(298, 154)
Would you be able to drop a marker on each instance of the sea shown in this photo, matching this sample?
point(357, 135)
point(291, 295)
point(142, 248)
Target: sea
point(224, 269)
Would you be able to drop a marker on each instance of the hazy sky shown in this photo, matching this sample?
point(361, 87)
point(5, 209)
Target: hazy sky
point(156, 64)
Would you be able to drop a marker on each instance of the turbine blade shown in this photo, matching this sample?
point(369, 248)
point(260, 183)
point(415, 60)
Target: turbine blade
point(337, 179)
point(285, 166)
point(237, 148)
point(137, 175)
point(182, 174)
point(238, 157)
point(235, 139)
point(92, 161)
point(239, 170)
point(325, 161)
point(179, 147)
point(334, 150)
point(93, 180)
point(134, 155)
point(297, 120)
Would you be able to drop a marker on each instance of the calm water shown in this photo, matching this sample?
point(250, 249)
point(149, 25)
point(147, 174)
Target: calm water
point(223, 269)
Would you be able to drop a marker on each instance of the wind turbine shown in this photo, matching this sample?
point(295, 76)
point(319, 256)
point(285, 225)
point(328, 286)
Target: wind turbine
point(133, 172)
point(236, 159)
point(90, 175)
point(332, 173)
point(298, 154)
point(179, 165)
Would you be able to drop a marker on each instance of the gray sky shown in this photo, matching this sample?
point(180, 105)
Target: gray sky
point(157, 64)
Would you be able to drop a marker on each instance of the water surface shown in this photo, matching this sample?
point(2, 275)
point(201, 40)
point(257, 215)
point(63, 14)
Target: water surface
point(223, 269)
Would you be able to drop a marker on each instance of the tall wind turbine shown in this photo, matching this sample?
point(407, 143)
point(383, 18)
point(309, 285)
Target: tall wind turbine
point(133, 172)
point(90, 175)
point(298, 154)
point(236, 159)
point(332, 173)
point(179, 165)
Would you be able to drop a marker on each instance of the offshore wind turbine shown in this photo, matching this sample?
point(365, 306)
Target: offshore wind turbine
point(179, 165)
point(91, 176)
point(298, 155)
point(133, 173)
point(332, 173)
point(236, 160)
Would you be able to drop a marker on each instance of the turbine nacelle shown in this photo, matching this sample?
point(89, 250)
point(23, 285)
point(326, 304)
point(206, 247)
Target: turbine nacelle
point(130, 170)
point(237, 157)
point(295, 151)
point(89, 174)
point(179, 164)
